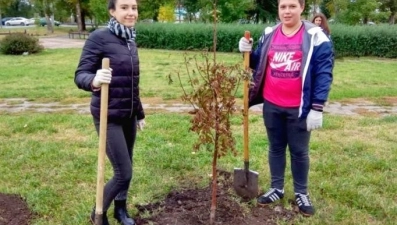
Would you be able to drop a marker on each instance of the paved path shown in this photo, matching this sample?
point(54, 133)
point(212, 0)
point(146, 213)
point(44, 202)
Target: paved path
point(61, 42)
point(13, 105)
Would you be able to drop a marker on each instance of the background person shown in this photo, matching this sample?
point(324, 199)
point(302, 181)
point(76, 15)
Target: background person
point(320, 20)
point(292, 75)
point(125, 112)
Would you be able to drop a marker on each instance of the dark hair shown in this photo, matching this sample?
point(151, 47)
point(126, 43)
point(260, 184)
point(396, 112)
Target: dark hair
point(324, 22)
point(112, 4)
point(301, 2)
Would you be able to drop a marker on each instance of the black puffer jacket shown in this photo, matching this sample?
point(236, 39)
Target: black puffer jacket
point(124, 100)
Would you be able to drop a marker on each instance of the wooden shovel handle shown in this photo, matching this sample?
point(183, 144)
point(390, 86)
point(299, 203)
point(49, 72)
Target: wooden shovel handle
point(247, 35)
point(102, 147)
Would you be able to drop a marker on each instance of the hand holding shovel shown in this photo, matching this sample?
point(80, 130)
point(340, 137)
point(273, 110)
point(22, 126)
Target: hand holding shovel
point(245, 181)
point(102, 148)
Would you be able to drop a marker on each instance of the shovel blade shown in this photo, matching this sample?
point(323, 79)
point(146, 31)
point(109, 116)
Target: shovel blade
point(245, 183)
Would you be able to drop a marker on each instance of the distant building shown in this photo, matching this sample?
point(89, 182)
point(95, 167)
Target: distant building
point(180, 14)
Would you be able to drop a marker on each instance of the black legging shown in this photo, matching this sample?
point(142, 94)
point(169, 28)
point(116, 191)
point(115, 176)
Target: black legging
point(119, 149)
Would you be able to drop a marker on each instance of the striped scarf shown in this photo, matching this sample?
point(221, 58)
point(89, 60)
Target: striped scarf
point(120, 30)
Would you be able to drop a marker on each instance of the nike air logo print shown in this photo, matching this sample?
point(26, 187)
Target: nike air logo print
point(285, 64)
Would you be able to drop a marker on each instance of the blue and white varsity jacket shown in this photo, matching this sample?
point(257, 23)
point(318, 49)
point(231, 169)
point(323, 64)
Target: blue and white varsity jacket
point(318, 61)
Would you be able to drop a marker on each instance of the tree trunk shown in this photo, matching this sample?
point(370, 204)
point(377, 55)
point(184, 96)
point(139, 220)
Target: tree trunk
point(365, 21)
point(78, 15)
point(314, 7)
point(214, 36)
point(392, 18)
point(50, 28)
point(214, 186)
point(1, 24)
point(83, 27)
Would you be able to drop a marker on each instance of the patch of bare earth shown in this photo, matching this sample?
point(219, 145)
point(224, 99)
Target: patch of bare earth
point(391, 100)
point(193, 207)
point(14, 210)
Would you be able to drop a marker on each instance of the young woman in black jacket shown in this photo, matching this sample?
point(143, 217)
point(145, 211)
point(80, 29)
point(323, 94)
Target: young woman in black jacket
point(125, 112)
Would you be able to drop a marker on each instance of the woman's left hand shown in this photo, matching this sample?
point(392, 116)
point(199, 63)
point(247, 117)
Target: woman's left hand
point(314, 120)
point(141, 124)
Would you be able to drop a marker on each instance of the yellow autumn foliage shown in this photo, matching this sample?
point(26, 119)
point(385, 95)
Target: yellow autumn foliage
point(166, 13)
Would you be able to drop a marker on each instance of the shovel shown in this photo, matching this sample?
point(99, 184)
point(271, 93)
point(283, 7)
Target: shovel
point(102, 148)
point(245, 181)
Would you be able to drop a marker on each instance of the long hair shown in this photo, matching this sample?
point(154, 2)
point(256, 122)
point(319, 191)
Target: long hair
point(324, 22)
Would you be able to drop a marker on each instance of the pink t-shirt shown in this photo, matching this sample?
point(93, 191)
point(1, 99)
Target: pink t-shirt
point(283, 83)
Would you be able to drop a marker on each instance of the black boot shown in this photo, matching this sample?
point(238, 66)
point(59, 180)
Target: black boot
point(121, 214)
point(104, 218)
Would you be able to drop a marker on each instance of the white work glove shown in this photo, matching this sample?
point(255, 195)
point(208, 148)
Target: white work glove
point(141, 124)
point(245, 45)
point(103, 76)
point(314, 120)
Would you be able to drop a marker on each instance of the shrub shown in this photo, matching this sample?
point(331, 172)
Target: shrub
point(377, 40)
point(18, 43)
point(92, 29)
point(191, 36)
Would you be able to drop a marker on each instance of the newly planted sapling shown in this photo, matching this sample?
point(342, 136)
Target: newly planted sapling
point(210, 89)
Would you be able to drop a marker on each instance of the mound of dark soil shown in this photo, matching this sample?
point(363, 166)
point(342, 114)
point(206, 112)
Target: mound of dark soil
point(186, 207)
point(192, 207)
point(14, 210)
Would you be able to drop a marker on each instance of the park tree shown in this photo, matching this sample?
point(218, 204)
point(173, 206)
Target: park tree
point(62, 11)
point(99, 10)
point(228, 10)
point(264, 10)
point(354, 12)
point(389, 6)
point(79, 9)
point(232, 10)
point(324, 9)
point(18, 8)
point(79, 13)
point(4, 4)
point(311, 7)
point(335, 7)
point(364, 8)
point(47, 7)
point(166, 13)
point(210, 89)
point(149, 9)
point(192, 7)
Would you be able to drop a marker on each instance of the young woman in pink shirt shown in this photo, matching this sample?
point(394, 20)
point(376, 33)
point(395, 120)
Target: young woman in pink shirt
point(292, 75)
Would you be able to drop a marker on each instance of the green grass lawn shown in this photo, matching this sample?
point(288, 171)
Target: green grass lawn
point(49, 76)
point(50, 158)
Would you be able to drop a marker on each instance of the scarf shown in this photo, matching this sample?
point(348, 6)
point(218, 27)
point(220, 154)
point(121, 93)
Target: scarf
point(120, 30)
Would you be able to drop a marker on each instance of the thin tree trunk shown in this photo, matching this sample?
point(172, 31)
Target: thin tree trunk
point(392, 18)
point(216, 146)
point(214, 37)
point(214, 186)
point(365, 21)
point(78, 15)
point(1, 24)
point(50, 28)
point(83, 26)
point(314, 7)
